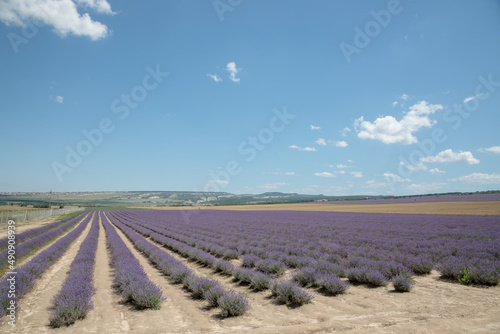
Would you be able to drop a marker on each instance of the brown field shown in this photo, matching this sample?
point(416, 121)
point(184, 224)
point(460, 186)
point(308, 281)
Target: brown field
point(434, 306)
point(14, 208)
point(430, 208)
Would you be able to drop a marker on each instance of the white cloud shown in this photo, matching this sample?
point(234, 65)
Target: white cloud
point(341, 143)
point(215, 77)
point(389, 130)
point(231, 68)
point(308, 149)
point(395, 103)
point(450, 156)
point(357, 174)
point(274, 185)
point(342, 166)
point(394, 177)
point(59, 99)
point(426, 187)
point(405, 97)
point(493, 149)
point(283, 173)
point(372, 184)
point(470, 98)
point(321, 141)
point(414, 168)
point(101, 6)
point(62, 15)
point(345, 131)
point(325, 174)
point(315, 127)
point(436, 171)
point(218, 181)
point(340, 172)
point(481, 178)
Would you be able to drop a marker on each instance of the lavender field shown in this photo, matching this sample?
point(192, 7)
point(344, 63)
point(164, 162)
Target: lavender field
point(247, 265)
point(464, 249)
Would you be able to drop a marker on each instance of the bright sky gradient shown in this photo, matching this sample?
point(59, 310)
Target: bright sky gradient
point(317, 97)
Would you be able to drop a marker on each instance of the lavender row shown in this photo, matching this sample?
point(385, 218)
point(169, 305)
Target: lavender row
point(230, 302)
point(454, 245)
point(74, 300)
point(359, 270)
point(130, 279)
point(32, 245)
point(257, 281)
point(26, 275)
point(30, 234)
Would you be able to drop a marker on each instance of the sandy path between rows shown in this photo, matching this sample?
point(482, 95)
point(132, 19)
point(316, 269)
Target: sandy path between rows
point(35, 306)
point(434, 306)
point(20, 262)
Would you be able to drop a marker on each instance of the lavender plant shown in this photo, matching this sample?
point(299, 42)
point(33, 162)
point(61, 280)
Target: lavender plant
point(74, 300)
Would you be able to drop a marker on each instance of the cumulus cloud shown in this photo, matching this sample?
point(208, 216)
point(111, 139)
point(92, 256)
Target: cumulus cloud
point(493, 149)
point(59, 99)
point(389, 130)
point(215, 77)
point(308, 149)
point(481, 178)
point(345, 131)
point(233, 70)
point(426, 187)
point(413, 168)
point(450, 156)
point(357, 174)
point(372, 184)
point(405, 97)
point(393, 177)
point(342, 166)
point(313, 127)
point(340, 143)
point(321, 141)
point(436, 171)
point(62, 15)
point(325, 174)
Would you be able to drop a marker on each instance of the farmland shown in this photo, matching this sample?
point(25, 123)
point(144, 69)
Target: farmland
point(258, 271)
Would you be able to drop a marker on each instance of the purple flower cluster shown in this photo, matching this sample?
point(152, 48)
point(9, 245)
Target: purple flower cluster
point(200, 287)
point(289, 292)
point(28, 273)
point(37, 241)
point(390, 244)
point(74, 300)
point(30, 234)
point(130, 278)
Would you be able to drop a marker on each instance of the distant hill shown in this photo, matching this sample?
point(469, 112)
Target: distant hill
point(122, 199)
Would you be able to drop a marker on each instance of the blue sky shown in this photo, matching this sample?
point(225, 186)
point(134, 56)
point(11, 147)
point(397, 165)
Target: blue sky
point(318, 97)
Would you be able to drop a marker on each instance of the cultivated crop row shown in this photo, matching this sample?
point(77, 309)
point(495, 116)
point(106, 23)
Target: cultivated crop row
point(130, 278)
point(30, 234)
point(366, 248)
point(74, 300)
point(33, 241)
point(256, 280)
point(27, 274)
point(230, 302)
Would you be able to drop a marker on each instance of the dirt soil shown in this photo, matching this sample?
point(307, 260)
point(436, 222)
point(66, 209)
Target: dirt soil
point(434, 306)
point(431, 208)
